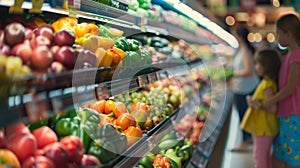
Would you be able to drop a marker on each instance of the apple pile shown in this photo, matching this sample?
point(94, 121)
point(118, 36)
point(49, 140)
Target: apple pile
point(42, 49)
point(41, 148)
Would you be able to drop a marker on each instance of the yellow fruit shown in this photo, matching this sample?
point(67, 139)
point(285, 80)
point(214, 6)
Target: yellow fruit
point(100, 53)
point(3, 59)
point(13, 66)
point(90, 43)
point(104, 58)
point(116, 32)
point(105, 42)
point(8, 159)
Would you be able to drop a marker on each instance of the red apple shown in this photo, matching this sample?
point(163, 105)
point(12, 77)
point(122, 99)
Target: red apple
point(16, 128)
point(38, 161)
point(39, 152)
point(64, 37)
point(40, 41)
point(14, 33)
point(22, 50)
point(22, 144)
point(4, 49)
point(90, 160)
point(46, 31)
point(2, 139)
point(28, 34)
point(41, 57)
point(57, 67)
point(54, 49)
point(67, 56)
point(57, 153)
point(75, 148)
point(44, 136)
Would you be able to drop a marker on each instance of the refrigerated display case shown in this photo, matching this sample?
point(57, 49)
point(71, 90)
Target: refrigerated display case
point(178, 86)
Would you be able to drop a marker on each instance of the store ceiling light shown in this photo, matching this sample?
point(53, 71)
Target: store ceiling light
point(257, 37)
point(271, 37)
point(276, 3)
point(242, 16)
point(250, 37)
point(208, 24)
point(230, 20)
point(260, 19)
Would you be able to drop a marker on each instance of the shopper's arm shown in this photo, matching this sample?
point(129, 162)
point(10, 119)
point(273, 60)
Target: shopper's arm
point(269, 93)
point(248, 66)
point(288, 89)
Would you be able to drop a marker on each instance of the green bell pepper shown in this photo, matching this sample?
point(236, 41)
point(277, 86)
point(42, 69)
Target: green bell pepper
point(108, 133)
point(104, 31)
point(83, 136)
point(145, 162)
point(134, 45)
point(102, 150)
point(63, 127)
point(145, 55)
point(131, 59)
point(122, 43)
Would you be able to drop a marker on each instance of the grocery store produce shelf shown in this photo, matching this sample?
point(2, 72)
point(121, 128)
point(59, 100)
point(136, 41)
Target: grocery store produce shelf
point(48, 94)
point(204, 148)
point(130, 24)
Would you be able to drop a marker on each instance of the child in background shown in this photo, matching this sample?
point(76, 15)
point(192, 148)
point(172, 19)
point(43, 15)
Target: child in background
point(286, 147)
point(262, 123)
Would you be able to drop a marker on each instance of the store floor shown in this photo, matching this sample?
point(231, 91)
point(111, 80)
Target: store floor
point(236, 159)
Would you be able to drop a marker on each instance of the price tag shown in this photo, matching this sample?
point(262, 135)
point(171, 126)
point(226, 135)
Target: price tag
point(36, 6)
point(61, 103)
point(143, 24)
point(152, 78)
point(73, 6)
point(119, 5)
point(37, 111)
point(17, 7)
point(57, 105)
point(142, 80)
point(102, 92)
point(86, 97)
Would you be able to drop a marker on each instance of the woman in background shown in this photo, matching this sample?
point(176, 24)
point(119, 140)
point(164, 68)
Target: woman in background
point(244, 81)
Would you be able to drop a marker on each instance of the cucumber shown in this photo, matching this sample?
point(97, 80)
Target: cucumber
point(170, 143)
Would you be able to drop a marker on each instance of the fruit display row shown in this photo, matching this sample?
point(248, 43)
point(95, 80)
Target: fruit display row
point(93, 135)
point(33, 46)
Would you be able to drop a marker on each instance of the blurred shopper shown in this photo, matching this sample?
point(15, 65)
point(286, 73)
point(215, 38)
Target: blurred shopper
point(286, 147)
point(245, 80)
point(262, 123)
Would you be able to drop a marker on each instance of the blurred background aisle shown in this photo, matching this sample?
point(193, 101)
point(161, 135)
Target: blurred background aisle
point(236, 159)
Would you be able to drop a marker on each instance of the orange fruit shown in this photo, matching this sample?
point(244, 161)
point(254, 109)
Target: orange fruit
point(120, 108)
point(81, 29)
point(109, 106)
point(99, 106)
point(125, 120)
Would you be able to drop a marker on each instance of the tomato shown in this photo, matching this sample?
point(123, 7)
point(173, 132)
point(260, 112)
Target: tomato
point(99, 106)
point(8, 159)
point(161, 162)
point(109, 106)
point(125, 120)
point(120, 108)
